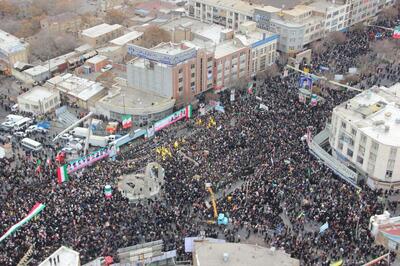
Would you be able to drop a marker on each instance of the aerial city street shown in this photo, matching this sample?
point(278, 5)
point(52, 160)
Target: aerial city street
point(199, 132)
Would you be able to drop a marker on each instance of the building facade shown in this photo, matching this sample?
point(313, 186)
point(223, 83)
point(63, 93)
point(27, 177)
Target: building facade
point(12, 50)
point(226, 13)
point(39, 100)
point(297, 26)
point(364, 135)
point(171, 70)
point(101, 34)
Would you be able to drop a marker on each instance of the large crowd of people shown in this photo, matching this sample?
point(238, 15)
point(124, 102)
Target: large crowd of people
point(272, 188)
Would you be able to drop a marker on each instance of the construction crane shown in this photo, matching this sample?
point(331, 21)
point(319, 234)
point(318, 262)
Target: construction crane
point(221, 219)
point(88, 116)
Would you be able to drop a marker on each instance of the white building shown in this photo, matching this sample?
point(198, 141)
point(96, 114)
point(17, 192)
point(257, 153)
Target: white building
point(12, 50)
point(85, 93)
point(365, 135)
point(39, 100)
point(101, 34)
point(62, 257)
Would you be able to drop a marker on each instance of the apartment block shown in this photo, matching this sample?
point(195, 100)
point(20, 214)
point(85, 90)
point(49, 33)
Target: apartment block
point(101, 34)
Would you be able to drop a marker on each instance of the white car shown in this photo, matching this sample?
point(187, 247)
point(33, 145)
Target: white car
point(66, 136)
point(42, 130)
point(68, 150)
point(31, 129)
point(20, 134)
point(106, 68)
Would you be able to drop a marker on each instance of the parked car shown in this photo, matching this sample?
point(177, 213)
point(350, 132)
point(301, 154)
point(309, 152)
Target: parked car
point(15, 108)
point(31, 129)
point(106, 68)
point(66, 136)
point(68, 150)
point(20, 134)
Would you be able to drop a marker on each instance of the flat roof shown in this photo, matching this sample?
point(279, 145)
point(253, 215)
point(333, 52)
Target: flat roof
point(96, 59)
point(10, 44)
point(36, 70)
point(298, 10)
point(139, 101)
point(373, 110)
point(213, 254)
point(124, 39)
point(64, 257)
point(100, 29)
point(240, 6)
point(78, 87)
point(324, 6)
point(226, 48)
point(38, 93)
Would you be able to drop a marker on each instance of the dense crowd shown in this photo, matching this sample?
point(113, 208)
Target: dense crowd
point(272, 188)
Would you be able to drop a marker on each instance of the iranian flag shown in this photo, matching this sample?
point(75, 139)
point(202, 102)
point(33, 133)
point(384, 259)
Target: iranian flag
point(188, 111)
point(126, 121)
point(250, 88)
point(34, 211)
point(38, 163)
point(62, 174)
point(396, 33)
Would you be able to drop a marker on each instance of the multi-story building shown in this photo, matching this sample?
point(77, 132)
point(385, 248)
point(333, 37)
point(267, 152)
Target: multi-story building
point(237, 55)
point(178, 71)
point(101, 34)
point(12, 50)
point(297, 26)
point(105, 5)
point(364, 135)
point(65, 22)
point(228, 13)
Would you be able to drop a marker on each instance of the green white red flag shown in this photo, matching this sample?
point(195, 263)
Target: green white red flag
point(126, 121)
point(396, 33)
point(62, 174)
point(34, 211)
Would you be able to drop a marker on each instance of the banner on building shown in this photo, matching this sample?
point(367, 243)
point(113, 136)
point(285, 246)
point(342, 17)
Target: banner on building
point(175, 117)
point(168, 59)
point(305, 82)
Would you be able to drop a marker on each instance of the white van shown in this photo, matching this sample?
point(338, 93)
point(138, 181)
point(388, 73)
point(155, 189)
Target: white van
point(13, 118)
point(31, 144)
point(22, 124)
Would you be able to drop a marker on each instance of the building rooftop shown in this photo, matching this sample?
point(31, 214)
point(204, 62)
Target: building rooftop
point(139, 102)
point(96, 59)
point(376, 112)
point(241, 6)
point(99, 30)
point(124, 39)
point(37, 70)
point(234, 254)
point(81, 88)
point(62, 257)
point(298, 10)
point(37, 93)
point(226, 48)
point(323, 6)
point(10, 44)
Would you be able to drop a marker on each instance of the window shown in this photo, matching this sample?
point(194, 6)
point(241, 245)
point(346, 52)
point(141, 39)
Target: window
point(360, 160)
point(390, 164)
point(389, 173)
point(192, 66)
point(344, 125)
point(209, 59)
point(180, 89)
point(353, 131)
point(180, 70)
point(372, 157)
point(363, 139)
point(374, 146)
point(361, 150)
point(192, 84)
point(393, 152)
point(340, 146)
point(350, 152)
point(193, 75)
point(180, 80)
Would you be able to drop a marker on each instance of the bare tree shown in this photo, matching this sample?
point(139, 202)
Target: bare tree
point(154, 35)
point(270, 71)
point(359, 27)
point(389, 13)
point(45, 46)
point(386, 49)
point(318, 47)
point(336, 37)
point(7, 8)
point(115, 16)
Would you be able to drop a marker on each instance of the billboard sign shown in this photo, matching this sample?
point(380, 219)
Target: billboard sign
point(164, 58)
point(171, 119)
